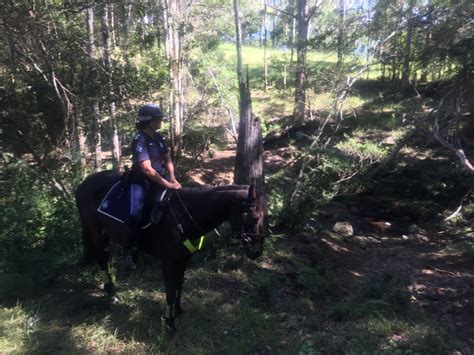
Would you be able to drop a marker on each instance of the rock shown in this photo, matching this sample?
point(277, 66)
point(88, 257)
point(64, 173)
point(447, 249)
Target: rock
point(422, 238)
point(343, 228)
point(365, 240)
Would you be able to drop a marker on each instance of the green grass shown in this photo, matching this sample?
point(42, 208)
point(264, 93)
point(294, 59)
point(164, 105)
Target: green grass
point(289, 302)
point(277, 102)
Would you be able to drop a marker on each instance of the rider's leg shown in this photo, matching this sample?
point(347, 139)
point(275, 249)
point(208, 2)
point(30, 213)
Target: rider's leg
point(137, 197)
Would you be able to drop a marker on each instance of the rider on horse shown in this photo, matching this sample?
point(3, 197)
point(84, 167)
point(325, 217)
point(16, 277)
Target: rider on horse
point(152, 169)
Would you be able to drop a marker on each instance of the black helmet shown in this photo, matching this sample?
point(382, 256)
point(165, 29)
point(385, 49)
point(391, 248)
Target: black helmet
point(148, 112)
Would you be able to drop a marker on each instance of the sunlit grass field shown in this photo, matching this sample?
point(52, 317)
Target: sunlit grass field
point(278, 100)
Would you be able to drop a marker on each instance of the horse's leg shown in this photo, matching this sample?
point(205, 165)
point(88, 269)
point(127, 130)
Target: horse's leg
point(169, 274)
point(103, 261)
point(180, 268)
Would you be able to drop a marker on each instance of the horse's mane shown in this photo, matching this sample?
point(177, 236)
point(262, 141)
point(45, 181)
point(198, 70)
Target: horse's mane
point(205, 189)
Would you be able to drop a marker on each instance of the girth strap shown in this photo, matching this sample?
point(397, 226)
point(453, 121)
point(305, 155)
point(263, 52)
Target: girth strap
point(191, 247)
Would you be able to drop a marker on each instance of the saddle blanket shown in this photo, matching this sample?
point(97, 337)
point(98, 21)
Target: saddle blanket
point(116, 205)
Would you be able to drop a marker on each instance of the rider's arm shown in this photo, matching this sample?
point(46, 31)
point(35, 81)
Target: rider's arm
point(169, 166)
point(151, 173)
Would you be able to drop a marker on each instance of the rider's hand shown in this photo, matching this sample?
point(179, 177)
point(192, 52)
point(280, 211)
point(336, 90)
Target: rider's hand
point(174, 185)
point(174, 181)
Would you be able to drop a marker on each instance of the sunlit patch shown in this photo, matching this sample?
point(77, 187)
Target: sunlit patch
point(356, 273)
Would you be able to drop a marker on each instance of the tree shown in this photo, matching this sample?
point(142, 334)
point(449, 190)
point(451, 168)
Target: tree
point(249, 158)
point(175, 15)
point(407, 53)
point(107, 36)
point(303, 16)
point(93, 102)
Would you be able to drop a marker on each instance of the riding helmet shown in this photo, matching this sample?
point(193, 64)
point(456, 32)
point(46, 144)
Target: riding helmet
point(148, 112)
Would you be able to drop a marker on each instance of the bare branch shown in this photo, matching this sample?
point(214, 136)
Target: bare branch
point(457, 149)
point(282, 11)
point(458, 210)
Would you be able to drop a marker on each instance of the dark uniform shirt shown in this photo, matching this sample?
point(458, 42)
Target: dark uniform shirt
point(146, 148)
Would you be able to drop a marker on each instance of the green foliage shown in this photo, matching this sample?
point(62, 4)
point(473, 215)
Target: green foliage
point(33, 218)
point(333, 170)
point(199, 139)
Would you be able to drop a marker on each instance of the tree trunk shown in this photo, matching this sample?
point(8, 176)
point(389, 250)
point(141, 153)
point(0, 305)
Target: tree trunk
point(405, 84)
point(111, 14)
point(172, 13)
point(93, 103)
point(110, 86)
point(80, 143)
point(368, 38)
point(265, 63)
point(293, 36)
point(341, 30)
point(302, 20)
point(249, 158)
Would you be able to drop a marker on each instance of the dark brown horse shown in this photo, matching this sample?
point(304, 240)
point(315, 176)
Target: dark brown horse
point(190, 213)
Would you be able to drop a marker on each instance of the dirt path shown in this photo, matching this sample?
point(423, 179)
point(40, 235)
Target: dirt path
point(440, 284)
point(219, 170)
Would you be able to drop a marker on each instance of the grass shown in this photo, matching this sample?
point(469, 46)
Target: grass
point(278, 102)
point(289, 302)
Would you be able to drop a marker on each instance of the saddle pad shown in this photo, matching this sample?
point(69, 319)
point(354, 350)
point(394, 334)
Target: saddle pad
point(116, 205)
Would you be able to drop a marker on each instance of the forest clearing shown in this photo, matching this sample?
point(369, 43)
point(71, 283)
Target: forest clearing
point(356, 116)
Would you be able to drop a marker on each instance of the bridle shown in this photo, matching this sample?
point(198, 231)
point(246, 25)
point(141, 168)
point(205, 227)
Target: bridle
point(248, 238)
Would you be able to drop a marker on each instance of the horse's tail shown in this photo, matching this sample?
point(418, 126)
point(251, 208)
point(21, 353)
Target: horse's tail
point(88, 254)
point(88, 193)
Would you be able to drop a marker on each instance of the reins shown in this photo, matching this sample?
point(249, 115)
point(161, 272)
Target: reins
point(245, 236)
point(187, 242)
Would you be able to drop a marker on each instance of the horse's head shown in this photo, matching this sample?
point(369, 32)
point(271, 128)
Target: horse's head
point(249, 223)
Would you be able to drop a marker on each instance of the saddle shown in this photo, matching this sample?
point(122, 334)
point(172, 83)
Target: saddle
point(116, 203)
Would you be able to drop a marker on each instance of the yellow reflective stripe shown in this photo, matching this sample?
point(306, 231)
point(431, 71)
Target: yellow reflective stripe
point(190, 246)
point(187, 243)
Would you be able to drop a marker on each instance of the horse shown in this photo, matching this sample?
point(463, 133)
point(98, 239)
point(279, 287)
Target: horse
point(190, 213)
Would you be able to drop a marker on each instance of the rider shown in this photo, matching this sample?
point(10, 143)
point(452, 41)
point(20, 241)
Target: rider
point(152, 166)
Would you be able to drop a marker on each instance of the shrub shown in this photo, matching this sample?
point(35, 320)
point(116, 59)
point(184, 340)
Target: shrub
point(34, 218)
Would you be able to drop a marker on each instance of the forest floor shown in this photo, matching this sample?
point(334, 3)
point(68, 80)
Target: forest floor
point(393, 286)
point(390, 267)
point(402, 282)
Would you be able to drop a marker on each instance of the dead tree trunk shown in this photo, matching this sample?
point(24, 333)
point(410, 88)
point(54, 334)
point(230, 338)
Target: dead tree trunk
point(249, 158)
